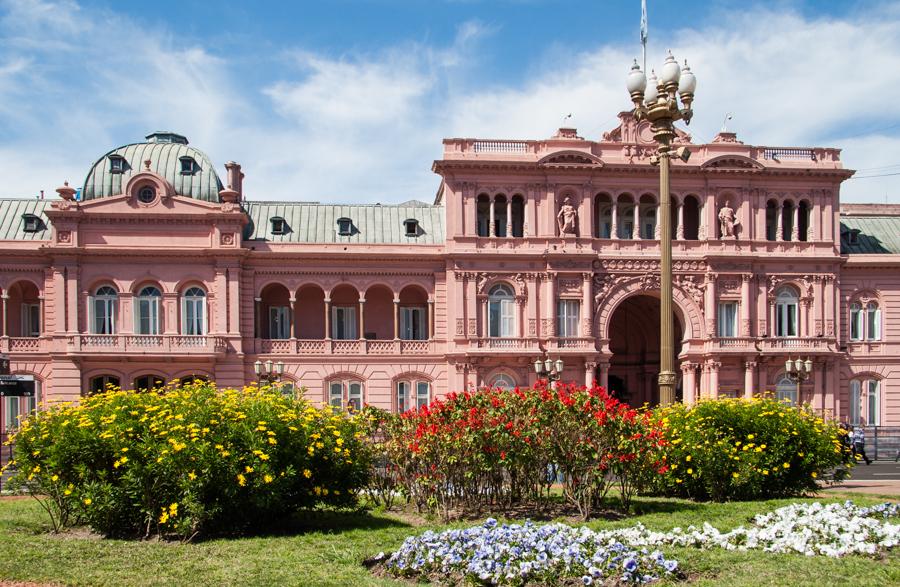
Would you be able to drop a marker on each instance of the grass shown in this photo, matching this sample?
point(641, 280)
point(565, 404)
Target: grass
point(328, 550)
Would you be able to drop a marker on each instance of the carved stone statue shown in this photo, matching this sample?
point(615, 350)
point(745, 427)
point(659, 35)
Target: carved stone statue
point(567, 218)
point(727, 221)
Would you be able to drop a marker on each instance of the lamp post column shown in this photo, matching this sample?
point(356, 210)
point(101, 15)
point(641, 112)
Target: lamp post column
point(667, 336)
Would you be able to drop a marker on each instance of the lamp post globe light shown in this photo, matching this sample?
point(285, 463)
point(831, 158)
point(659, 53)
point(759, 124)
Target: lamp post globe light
point(798, 371)
point(657, 101)
point(547, 368)
point(268, 372)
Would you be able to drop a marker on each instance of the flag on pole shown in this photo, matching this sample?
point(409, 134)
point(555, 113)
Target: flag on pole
point(644, 22)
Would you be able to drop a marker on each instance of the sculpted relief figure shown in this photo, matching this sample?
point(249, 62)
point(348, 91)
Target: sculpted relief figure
point(727, 221)
point(566, 218)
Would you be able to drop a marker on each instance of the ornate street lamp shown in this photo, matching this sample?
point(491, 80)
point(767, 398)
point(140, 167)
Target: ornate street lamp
point(659, 104)
point(798, 371)
point(268, 372)
point(549, 369)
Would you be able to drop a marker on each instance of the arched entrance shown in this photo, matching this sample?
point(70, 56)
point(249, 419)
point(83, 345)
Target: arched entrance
point(634, 339)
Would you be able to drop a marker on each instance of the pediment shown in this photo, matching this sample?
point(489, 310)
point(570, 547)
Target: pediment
point(125, 204)
point(570, 158)
point(733, 162)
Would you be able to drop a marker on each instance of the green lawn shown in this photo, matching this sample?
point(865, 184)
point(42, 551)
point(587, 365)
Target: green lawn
point(329, 550)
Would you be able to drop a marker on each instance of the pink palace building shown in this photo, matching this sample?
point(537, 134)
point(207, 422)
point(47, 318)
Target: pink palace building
point(158, 269)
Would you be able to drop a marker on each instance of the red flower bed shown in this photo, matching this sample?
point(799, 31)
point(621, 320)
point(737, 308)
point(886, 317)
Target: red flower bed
point(494, 447)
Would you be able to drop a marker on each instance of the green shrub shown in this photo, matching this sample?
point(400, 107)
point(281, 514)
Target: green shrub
point(183, 461)
point(737, 449)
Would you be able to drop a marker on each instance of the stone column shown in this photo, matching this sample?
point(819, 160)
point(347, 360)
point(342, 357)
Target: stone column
point(614, 212)
point(749, 383)
point(72, 299)
point(589, 368)
point(803, 327)
point(779, 214)
point(688, 383)
point(550, 307)
point(327, 318)
point(714, 379)
point(818, 307)
point(293, 314)
point(509, 216)
point(587, 309)
point(710, 305)
point(42, 312)
point(818, 377)
point(586, 227)
point(636, 231)
point(492, 229)
point(745, 304)
point(397, 317)
point(429, 319)
point(795, 227)
point(604, 375)
point(679, 230)
point(762, 380)
point(657, 230)
point(362, 318)
point(4, 298)
point(484, 311)
point(257, 320)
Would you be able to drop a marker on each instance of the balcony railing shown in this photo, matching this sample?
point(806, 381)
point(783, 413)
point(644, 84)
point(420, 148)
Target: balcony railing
point(23, 344)
point(144, 344)
point(344, 347)
point(508, 344)
point(739, 343)
point(580, 343)
point(799, 343)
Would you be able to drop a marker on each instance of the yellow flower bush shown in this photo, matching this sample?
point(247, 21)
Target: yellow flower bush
point(185, 460)
point(728, 449)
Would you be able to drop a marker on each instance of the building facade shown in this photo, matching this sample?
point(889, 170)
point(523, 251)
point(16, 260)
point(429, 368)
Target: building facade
point(155, 269)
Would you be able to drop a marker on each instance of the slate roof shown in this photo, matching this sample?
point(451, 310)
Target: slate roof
point(312, 222)
point(12, 224)
point(877, 235)
point(164, 150)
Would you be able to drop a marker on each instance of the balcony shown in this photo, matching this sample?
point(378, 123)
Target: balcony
point(575, 343)
point(508, 344)
point(798, 344)
point(140, 344)
point(17, 344)
point(732, 343)
point(266, 346)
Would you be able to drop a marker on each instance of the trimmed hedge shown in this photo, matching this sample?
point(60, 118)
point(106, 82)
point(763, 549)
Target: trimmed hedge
point(189, 460)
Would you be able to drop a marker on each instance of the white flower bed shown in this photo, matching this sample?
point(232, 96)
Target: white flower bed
point(518, 553)
point(812, 529)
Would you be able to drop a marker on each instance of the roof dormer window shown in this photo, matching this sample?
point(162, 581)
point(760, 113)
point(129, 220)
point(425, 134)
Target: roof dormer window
point(411, 226)
point(853, 236)
point(279, 225)
point(146, 194)
point(32, 223)
point(188, 165)
point(345, 226)
point(117, 164)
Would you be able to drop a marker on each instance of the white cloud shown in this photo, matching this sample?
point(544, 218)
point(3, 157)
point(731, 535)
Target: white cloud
point(75, 82)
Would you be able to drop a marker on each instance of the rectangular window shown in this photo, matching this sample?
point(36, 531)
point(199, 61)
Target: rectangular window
point(412, 323)
point(12, 412)
point(873, 331)
point(568, 314)
point(194, 318)
point(148, 315)
point(402, 396)
point(501, 317)
point(336, 394)
point(855, 401)
point(343, 322)
point(873, 411)
point(728, 319)
point(279, 322)
point(786, 319)
point(856, 322)
point(31, 320)
point(355, 395)
point(423, 393)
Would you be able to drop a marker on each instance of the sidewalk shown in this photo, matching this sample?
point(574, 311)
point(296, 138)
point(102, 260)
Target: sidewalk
point(879, 478)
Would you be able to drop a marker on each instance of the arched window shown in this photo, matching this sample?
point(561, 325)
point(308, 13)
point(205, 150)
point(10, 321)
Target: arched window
point(605, 224)
point(626, 222)
point(288, 388)
point(146, 310)
point(503, 381)
point(873, 321)
point(771, 221)
point(648, 222)
point(690, 214)
point(103, 306)
point(346, 394)
point(786, 389)
point(501, 312)
point(15, 408)
point(500, 216)
point(148, 382)
point(412, 394)
point(483, 215)
point(786, 312)
point(865, 323)
point(865, 402)
point(787, 220)
point(193, 311)
point(101, 382)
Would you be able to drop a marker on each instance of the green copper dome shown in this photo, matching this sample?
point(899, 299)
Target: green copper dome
point(189, 170)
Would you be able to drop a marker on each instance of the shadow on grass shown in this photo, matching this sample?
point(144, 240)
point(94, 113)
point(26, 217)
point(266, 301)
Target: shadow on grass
point(307, 522)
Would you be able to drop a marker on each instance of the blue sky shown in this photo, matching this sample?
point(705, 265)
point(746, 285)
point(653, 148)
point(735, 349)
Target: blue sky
point(348, 101)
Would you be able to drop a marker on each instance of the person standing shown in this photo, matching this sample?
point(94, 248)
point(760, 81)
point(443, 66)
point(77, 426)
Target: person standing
point(859, 444)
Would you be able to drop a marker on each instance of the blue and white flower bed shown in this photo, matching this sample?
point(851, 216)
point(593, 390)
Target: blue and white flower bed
point(518, 553)
point(515, 554)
